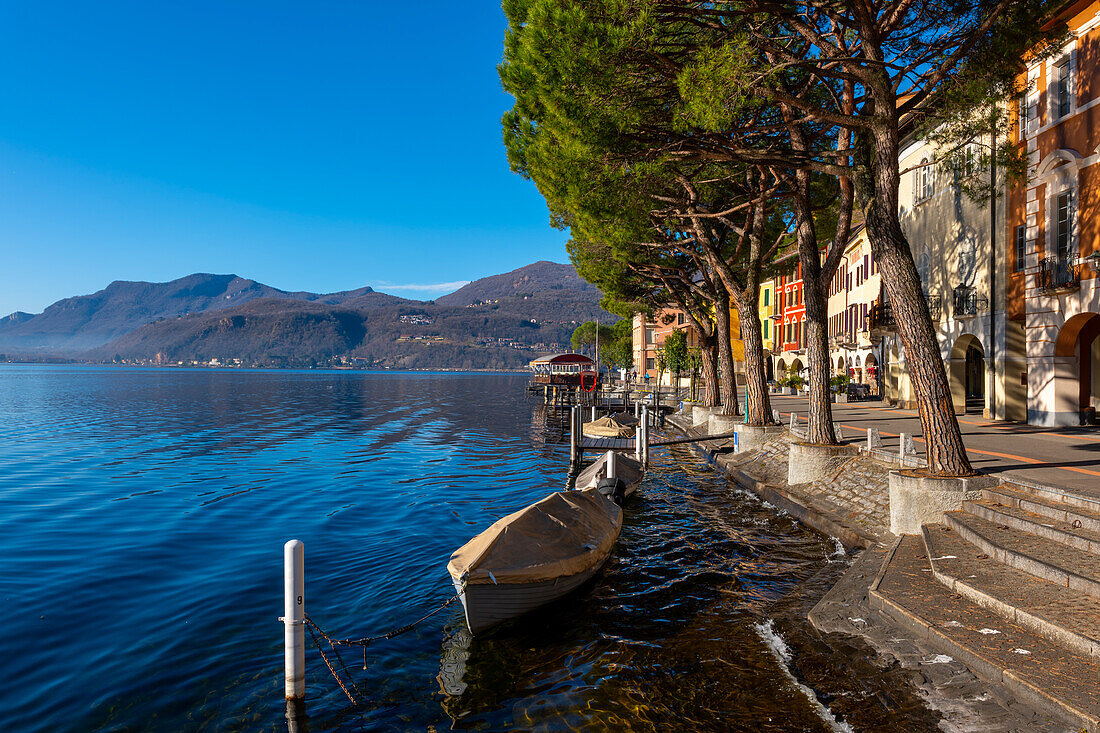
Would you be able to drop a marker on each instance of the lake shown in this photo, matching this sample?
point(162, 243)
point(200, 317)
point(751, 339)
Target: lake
point(145, 513)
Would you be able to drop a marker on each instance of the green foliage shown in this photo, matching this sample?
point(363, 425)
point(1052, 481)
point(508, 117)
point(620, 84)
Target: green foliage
point(620, 349)
point(584, 336)
point(717, 86)
point(791, 379)
point(676, 351)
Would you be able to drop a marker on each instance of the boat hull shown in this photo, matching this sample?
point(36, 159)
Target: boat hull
point(590, 477)
point(487, 605)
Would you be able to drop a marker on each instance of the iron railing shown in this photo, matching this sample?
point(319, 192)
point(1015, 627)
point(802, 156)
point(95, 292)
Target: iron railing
point(881, 317)
point(1058, 273)
point(968, 302)
point(934, 306)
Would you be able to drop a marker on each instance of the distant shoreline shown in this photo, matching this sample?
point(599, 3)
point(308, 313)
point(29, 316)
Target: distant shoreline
point(207, 367)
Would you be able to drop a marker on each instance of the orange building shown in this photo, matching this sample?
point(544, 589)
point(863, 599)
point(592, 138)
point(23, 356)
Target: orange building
point(1053, 221)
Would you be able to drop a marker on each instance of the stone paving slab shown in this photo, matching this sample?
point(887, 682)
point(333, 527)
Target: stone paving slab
point(1032, 667)
point(1039, 556)
point(1063, 615)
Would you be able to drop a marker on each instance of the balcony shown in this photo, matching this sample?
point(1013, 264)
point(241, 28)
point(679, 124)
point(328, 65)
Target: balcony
point(881, 318)
point(968, 303)
point(935, 307)
point(1058, 274)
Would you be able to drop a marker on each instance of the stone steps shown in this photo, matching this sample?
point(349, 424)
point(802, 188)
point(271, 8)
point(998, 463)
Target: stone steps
point(1044, 558)
point(1033, 668)
point(1052, 494)
point(1057, 530)
point(1061, 615)
point(1047, 507)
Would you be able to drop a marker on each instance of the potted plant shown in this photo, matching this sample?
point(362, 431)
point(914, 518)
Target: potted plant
point(839, 383)
point(792, 381)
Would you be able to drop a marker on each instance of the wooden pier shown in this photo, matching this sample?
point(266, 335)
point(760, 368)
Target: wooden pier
point(639, 444)
point(605, 444)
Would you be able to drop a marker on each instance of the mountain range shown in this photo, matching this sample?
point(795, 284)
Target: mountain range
point(496, 322)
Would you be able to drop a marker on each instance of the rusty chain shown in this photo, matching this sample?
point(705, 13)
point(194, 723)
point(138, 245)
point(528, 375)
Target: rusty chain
point(364, 642)
point(314, 629)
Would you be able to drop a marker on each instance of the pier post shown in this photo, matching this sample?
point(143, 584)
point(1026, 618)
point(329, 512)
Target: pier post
point(611, 465)
point(294, 619)
point(643, 431)
point(572, 436)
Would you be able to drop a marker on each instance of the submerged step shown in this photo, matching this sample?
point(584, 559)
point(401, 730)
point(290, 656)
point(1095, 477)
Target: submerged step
point(1047, 559)
point(1057, 530)
point(1062, 615)
point(1046, 506)
point(1033, 668)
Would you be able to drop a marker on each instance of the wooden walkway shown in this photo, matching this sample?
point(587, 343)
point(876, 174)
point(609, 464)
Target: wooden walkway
point(606, 444)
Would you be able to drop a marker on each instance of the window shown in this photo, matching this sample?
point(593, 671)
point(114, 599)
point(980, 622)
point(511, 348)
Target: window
point(679, 319)
point(925, 182)
point(1021, 244)
point(1023, 117)
point(650, 364)
point(766, 324)
point(1063, 240)
point(1061, 89)
point(766, 294)
point(650, 336)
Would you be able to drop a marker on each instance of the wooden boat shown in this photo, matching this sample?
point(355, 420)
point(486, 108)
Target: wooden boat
point(627, 468)
point(534, 556)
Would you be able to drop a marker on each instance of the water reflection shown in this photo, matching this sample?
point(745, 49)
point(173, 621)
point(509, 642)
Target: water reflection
point(157, 503)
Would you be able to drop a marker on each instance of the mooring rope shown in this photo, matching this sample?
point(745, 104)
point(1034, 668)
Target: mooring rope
point(363, 642)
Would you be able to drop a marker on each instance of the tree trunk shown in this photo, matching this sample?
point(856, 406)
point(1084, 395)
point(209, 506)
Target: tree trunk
point(877, 184)
point(728, 377)
point(819, 408)
point(708, 351)
point(758, 405)
point(943, 440)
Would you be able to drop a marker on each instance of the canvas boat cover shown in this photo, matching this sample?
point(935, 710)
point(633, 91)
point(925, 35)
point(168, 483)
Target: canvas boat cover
point(608, 427)
point(625, 418)
point(626, 468)
point(566, 533)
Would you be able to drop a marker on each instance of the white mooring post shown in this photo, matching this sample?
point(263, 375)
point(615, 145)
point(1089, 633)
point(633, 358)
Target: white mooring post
point(611, 465)
point(573, 434)
point(643, 432)
point(294, 618)
point(593, 414)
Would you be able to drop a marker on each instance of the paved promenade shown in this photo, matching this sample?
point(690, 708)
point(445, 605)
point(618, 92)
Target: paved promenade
point(1059, 457)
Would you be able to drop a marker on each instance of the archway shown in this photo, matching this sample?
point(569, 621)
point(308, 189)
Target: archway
point(1077, 368)
point(871, 371)
point(966, 373)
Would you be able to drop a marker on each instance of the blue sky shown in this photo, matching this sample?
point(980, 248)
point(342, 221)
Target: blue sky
point(311, 146)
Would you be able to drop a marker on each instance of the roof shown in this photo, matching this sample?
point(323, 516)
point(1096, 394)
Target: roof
point(563, 359)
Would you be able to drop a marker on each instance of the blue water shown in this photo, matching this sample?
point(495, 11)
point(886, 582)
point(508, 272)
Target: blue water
point(145, 513)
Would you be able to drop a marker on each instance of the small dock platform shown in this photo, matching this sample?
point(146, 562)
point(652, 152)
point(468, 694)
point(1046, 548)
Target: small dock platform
point(606, 444)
